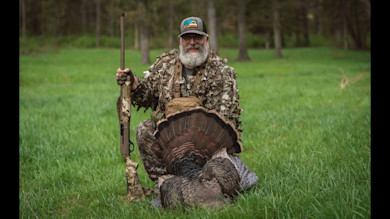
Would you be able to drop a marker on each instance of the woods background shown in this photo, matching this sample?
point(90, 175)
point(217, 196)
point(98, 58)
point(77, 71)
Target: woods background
point(306, 121)
point(152, 24)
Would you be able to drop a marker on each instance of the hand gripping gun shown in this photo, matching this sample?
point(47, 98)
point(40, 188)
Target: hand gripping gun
point(135, 191)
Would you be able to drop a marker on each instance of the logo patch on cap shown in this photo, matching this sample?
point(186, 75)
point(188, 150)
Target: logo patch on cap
point(190, 23)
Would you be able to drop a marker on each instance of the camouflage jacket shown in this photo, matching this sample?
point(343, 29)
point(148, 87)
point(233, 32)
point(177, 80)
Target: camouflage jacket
point(217, 90)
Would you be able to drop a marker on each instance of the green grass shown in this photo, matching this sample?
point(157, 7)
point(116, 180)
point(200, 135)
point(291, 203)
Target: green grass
point(306, 139)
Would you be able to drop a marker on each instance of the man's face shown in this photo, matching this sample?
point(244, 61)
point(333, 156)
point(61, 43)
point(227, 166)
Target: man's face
point(193, 49)
point(193, 42)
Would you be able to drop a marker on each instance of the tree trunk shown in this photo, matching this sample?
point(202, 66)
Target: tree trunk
point(23, 19)
point(110, 23)
point(359, 36)
point(242, 50)
point(267, 39)
point(298, 30)
point(145, 58)
point(170, 24)
point(297, 39)
point(345, 34)
point(367, 8)
point(351, 20)
point(144, 45)
point(97, 23)
point(136, 36)
point(84, 14)
point(305, 23)
point(212, 26)
point(277, 31)
point(317, 17)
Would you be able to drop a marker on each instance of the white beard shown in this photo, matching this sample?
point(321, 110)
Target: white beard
point(193, 59)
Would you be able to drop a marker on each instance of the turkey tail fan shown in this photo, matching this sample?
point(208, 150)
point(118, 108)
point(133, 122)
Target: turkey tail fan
point(228, 130)
point(197, 133)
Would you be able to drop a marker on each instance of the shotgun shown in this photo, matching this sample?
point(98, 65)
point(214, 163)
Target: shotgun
point(135, 191)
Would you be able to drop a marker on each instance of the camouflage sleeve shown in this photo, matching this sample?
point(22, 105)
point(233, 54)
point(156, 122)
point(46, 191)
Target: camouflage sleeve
point(147, 93)
point(223, 96)
point(143, 96)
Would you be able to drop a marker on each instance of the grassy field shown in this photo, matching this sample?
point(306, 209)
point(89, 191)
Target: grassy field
point(307, 139)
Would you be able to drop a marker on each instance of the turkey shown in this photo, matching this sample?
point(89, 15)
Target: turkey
point(190, 138)
point(220, 179)
point(198, 147)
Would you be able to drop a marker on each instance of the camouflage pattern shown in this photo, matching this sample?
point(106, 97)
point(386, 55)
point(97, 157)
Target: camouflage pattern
point(150, 150)
point(217, 89)
point(126, 101)
point(135, 190)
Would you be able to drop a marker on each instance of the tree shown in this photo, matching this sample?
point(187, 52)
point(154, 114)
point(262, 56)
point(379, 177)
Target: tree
point(317, 17)
point(212, 26)
point(23, 13)
point(84, 16)
point(305, 22)
point(142, 6)
point(348, 19)
point(242, 51)
point(355, 15)
point(277, 29)
point(97, 23)
point(333, 19)
point(136, 36)
point(170, 21)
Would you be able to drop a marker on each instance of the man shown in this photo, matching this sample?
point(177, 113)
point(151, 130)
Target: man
point(193, 71)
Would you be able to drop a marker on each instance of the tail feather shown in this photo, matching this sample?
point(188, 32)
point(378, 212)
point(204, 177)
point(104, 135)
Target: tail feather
point(247, 178)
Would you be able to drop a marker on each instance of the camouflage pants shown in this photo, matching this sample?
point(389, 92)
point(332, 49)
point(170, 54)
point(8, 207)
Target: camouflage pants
point(150, 150)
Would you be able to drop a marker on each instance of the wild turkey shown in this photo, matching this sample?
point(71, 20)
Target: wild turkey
point(198, 147)
point(190, 138)
point(222, 177)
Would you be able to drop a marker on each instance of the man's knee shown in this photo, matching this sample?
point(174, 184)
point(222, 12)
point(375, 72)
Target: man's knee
point(145, 129)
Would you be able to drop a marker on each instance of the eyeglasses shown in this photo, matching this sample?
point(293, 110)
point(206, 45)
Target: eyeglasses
point(197, 38)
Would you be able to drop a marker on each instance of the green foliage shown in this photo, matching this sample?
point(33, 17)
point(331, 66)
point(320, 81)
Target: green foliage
point(74, 18)
point(84, 41)
point(228, 41)
point(252, 41)
point(38, 44)
point(307, 140)
point(34, 45)
point(257, 41)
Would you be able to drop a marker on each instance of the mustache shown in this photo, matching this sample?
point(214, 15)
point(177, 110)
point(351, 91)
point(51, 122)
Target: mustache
point(199, 47)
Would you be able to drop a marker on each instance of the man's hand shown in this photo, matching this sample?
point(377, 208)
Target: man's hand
point(121, 76)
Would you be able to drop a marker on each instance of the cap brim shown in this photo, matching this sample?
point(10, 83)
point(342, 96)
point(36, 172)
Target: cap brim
point(193, 31)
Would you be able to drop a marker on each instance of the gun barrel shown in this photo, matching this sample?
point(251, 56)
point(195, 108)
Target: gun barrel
point(125, 98)
point(122, 24)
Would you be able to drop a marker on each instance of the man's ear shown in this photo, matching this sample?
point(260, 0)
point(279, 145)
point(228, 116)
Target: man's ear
point(178, 39)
